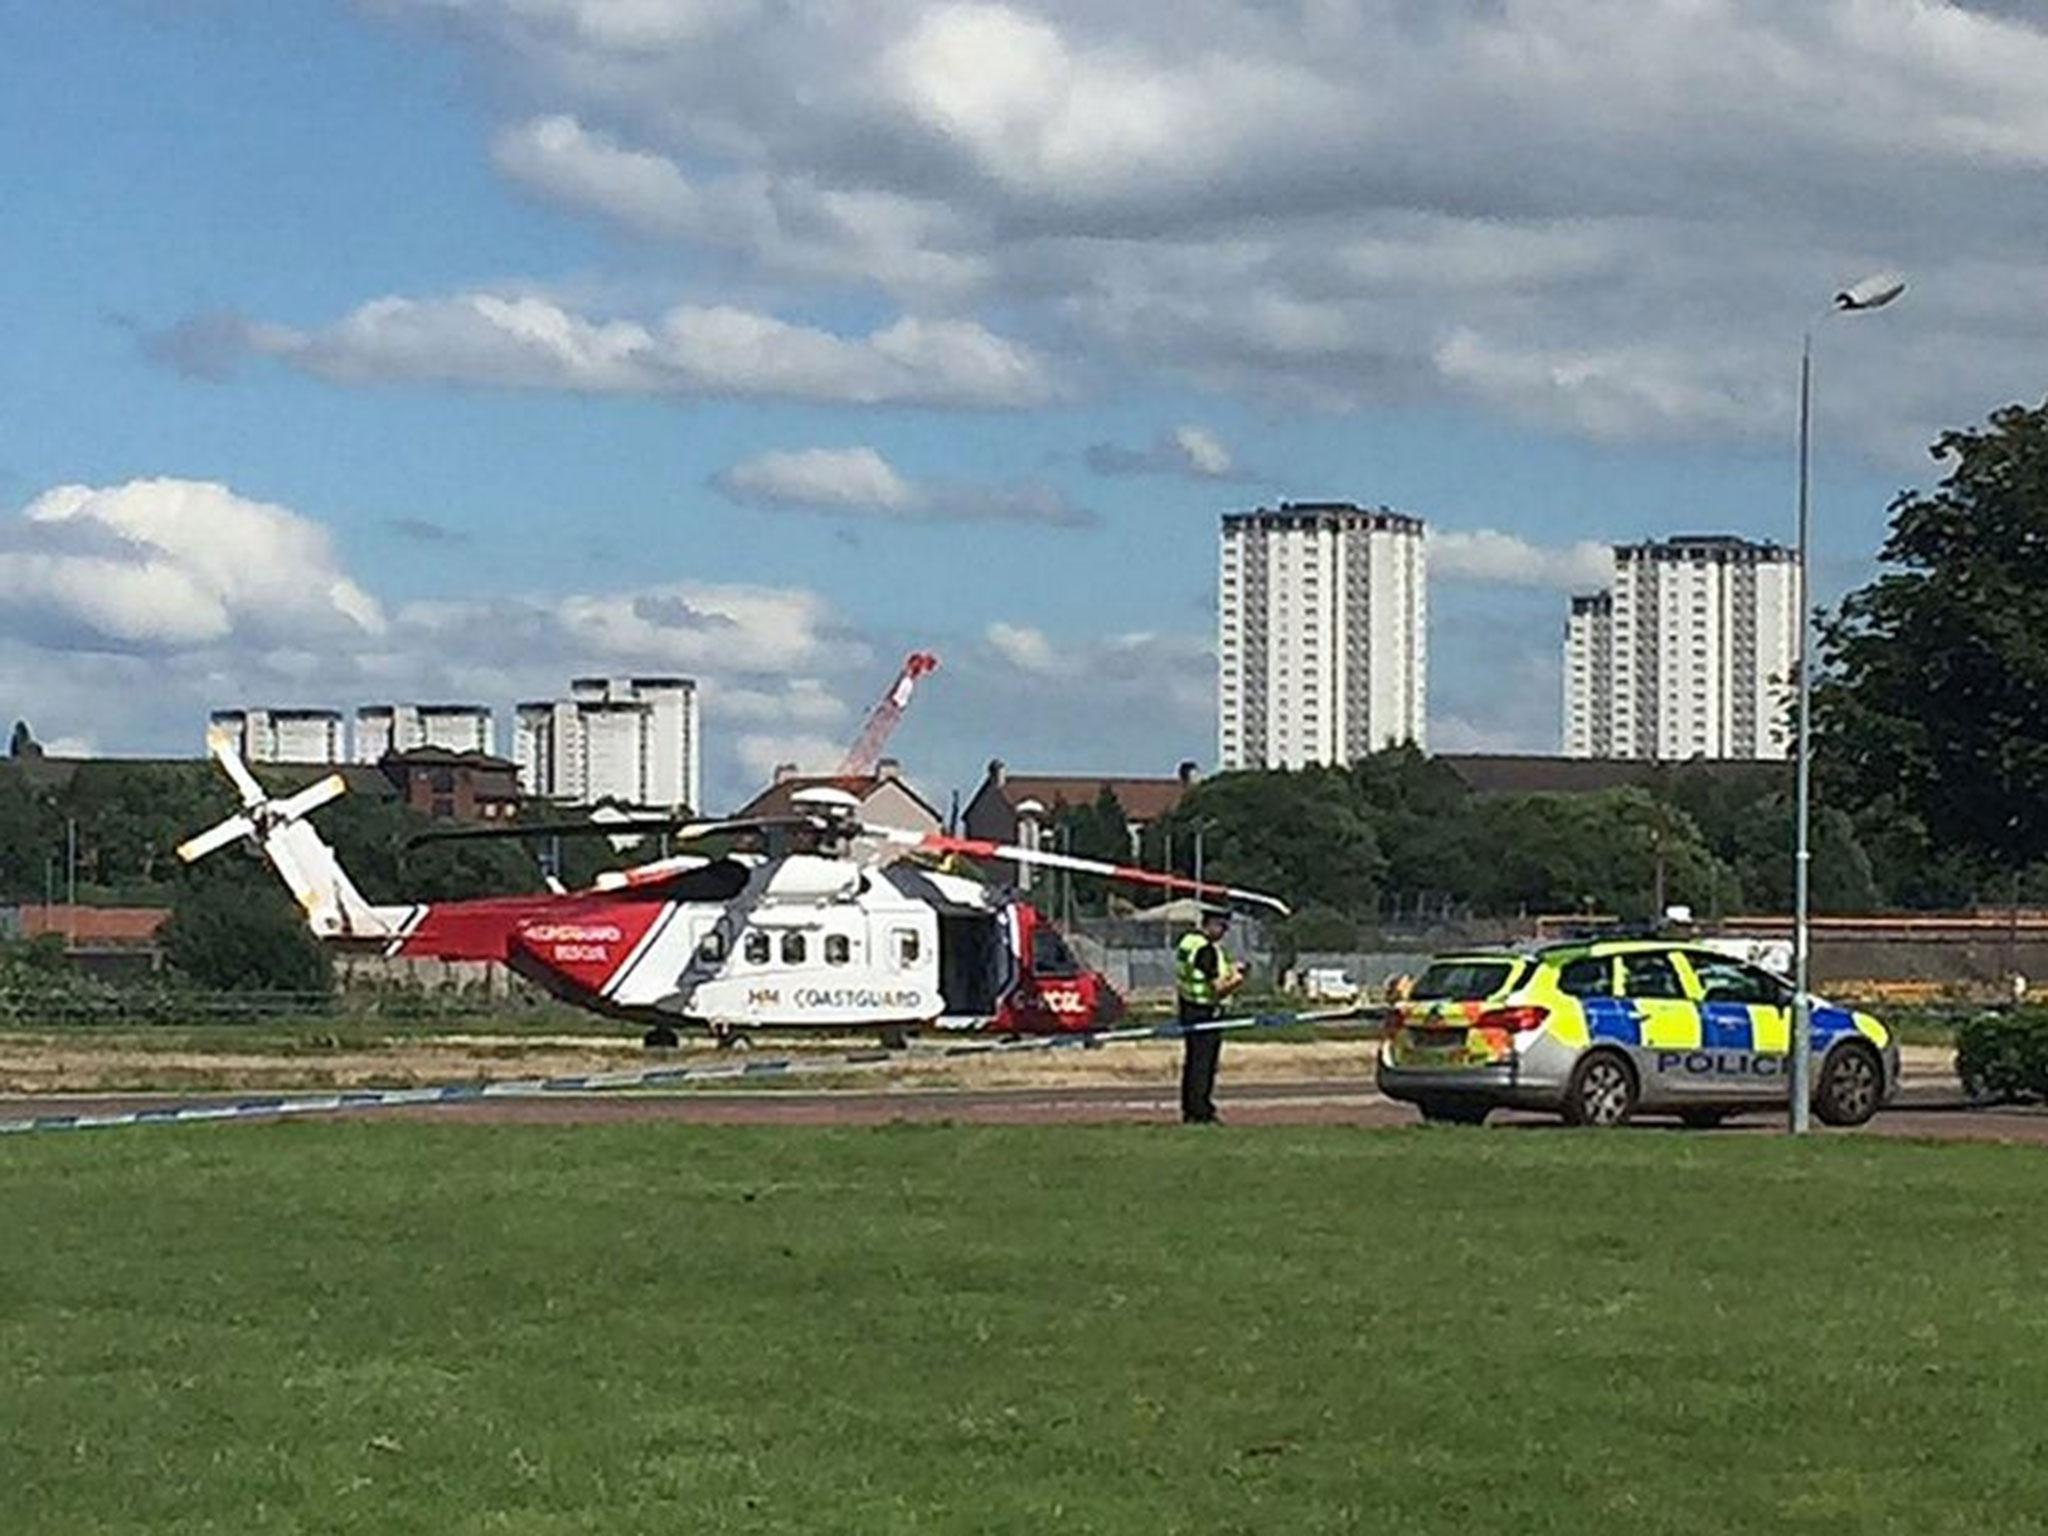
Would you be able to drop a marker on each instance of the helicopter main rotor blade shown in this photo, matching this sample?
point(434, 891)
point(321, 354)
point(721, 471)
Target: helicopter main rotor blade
point(233, 830)
point(311, 798)
point(222, 746)
point(1128, 874)
point(679, 828)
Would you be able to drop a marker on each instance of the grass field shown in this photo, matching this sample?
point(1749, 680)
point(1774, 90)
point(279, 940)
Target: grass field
point(445, 1328)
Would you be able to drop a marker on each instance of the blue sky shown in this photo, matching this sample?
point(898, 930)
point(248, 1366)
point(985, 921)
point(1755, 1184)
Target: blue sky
point(521, 317)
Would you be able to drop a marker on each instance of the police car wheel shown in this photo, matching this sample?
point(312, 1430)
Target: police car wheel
point(1602, 1090)
point(1454, 1111)
point(1851, 1085)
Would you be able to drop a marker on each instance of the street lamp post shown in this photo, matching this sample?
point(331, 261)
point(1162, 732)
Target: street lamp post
point(1201, 827)
point(1871, 293)
point(1031, 833)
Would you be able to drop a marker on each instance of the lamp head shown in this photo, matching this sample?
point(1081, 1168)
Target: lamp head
point(1872, 293)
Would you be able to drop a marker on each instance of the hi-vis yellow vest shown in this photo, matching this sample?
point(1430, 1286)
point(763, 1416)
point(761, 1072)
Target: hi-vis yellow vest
point(1193, 985)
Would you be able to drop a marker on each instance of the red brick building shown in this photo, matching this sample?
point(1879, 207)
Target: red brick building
point(454, 786)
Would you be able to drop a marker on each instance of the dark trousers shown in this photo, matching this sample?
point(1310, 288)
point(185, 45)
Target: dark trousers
point(1198, 1064)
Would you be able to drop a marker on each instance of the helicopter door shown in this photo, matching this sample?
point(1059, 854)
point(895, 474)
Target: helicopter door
point(973, 963)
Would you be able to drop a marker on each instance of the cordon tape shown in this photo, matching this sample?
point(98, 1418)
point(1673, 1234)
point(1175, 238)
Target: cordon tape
point(276, 1106)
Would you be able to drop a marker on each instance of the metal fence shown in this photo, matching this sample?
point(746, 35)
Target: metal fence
point(60, 1005)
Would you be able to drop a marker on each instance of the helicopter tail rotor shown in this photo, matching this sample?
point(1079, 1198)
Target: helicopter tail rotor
point(333, 906)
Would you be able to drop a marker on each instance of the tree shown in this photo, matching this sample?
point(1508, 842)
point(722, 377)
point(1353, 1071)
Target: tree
point(1746, 822)
point(236, 934)
point(28, 836)
point(1760, 848)
point(23, 742)
point(1301, 835)
point(130, 818)
point(1418, 810)
point(1097, 830)
point(1601, 852)
point(1318, 930)
point(1933, 689)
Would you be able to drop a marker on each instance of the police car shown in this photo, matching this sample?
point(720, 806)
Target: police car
point(1597, 1031)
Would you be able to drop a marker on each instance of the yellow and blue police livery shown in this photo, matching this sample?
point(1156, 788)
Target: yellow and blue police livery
point(1599, 1031)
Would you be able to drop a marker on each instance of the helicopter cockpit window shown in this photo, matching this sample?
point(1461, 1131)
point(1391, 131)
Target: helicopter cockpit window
point(793, 949)
point(756, 948)
point(711, 948)
point(907, 947)
point(838, 949)
point(1050, 955)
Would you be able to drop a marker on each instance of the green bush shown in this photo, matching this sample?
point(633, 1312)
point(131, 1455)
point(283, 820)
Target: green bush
point(2004, 1055)
point(234, 936)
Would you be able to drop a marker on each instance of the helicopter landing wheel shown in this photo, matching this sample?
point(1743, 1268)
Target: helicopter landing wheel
point(661, 1037)
point(895, 1038)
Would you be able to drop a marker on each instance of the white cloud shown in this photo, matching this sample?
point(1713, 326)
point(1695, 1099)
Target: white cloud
point(1076, 701)
point(801, 701)
point(526, 341)
point(1173, 670)
point(787, 224)
point(783, 675)
point(1490, 557)
point(647, 192)
point(1045, 115)
point(859, 482)
point(1022, 647)
point(163, 564)
point(1456, 733)
point(1187, 450)
point(127, 612)
point(1513, 205)
point(761, 753)
point(607, 26)
point(841, 479)
point(1202, 451)
point(1619, 392)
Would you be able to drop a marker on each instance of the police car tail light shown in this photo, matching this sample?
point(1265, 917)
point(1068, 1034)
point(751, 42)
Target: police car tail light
point(1516, 1021)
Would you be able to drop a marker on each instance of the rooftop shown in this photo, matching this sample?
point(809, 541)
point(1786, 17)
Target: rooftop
point(443, 757)
point(1704, 546)
point(1308, 514)
point(778, 799)
point(1143, 797)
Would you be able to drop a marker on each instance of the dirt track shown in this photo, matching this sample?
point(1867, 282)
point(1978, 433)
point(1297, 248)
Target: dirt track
point(77, 1063)
point(1926, 1111)
point(1265, 1082)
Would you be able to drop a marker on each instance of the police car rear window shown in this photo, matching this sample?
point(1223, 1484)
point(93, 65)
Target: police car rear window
point(1463, 980)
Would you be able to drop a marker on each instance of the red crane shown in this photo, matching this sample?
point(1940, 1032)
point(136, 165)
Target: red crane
point(866, 750)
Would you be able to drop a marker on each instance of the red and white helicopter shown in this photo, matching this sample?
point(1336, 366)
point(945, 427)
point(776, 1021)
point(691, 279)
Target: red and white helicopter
point(832, 924)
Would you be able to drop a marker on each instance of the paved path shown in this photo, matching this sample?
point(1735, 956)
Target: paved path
point(1926, 1110)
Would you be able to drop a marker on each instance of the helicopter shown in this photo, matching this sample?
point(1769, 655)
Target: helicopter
point(826, 923)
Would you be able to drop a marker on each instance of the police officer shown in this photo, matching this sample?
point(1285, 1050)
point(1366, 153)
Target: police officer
point(1204, 976)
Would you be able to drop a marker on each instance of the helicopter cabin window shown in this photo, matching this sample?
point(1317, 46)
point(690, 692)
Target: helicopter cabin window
point(756, 948)
point(711, 948)
point(838, 949)
point(793, 949)
point(907, 947)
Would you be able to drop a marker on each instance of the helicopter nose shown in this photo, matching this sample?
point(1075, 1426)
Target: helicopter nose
point(1109, 1003)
